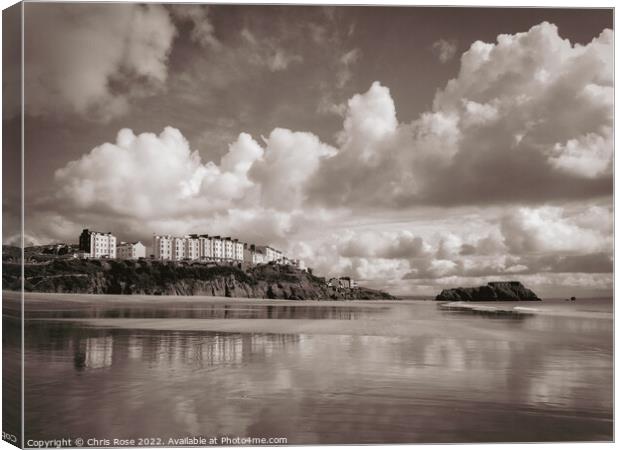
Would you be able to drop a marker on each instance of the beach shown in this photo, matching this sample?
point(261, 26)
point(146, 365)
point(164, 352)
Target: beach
point(316, 372)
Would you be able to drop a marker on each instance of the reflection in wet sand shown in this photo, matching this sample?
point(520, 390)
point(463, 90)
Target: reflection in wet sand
point(459, 378)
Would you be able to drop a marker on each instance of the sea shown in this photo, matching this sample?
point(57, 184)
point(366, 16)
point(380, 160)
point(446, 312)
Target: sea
point(170, 370)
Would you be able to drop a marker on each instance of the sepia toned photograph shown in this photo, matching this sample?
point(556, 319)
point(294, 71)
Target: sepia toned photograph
point(284, 225)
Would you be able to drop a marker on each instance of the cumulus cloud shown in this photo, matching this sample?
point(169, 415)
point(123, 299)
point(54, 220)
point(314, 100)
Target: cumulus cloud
point(291, 158)
point(444, 49)
point(152, 175)
point(527, 118)
point(159, 181)
point(549, 229)
point(81, 58)
point(588, 155)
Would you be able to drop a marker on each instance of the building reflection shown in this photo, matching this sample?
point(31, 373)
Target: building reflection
point(94, 353)
point(176, 349)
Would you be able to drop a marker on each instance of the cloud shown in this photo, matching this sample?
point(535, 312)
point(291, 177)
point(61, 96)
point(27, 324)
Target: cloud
point(346, 61)
point(148, 182)
point(291, 159)
point(444, 49)
point(517, 140)
point(528, 118)
point(149, 176)
point(267, 52)
point(588, 155)
point(203, 31)
point(384, 245)
point(549, 229)
point(83, 58)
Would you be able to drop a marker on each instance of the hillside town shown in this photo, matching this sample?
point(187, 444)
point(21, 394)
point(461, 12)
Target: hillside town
point(192, 247)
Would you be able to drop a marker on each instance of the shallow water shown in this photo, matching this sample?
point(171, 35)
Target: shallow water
point(377, 372)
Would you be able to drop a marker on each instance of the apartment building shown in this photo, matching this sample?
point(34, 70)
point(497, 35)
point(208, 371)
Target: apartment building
point(96, 244)
point(252, 254)
point(238, 250)
point(206, 246)
point(270, 254)
point(228, 248)
point(192, 247)
point(197, 247)
point(218, 247)
point(178, 248)
point(162, 246)
point(131, 250)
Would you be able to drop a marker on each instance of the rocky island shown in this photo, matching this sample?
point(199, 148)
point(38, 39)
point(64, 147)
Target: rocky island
point(59, 273)
point(493, 291)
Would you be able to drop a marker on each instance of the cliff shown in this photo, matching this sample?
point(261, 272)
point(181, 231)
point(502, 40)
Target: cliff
point(494, 291)
point(175, 278)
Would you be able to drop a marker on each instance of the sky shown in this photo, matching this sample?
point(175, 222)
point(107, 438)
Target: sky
point(410, 148)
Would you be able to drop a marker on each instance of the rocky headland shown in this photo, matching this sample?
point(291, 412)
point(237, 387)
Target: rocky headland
point(59, 273)
point(493, 291)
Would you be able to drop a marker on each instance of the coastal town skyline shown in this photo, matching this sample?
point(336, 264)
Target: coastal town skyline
point(190, 247)
point(437, 155)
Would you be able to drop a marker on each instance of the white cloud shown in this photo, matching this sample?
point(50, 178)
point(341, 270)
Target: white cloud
point(370, 120)
point(148, 176)
point(291, 158)
point(345, 73)
point(527, 118)
point(548, 229)
point(157, 183)
point(588, 155)
point(80, 58)
point(267, 52)
point(444, 49)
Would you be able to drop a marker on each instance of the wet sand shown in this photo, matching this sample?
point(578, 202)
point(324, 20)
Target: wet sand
point(315, 372)
point(100, 299)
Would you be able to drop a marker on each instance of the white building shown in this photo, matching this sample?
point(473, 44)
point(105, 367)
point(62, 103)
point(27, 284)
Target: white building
point(206, 247)
point(192, 247)
point(237, 250)
point(228, 248)
point(162, 247)
point(258, 257)
point(98, 245)
point(178, 248)
point(270, 254)
point(197, 247)
point(131, 250)
point(218, 247)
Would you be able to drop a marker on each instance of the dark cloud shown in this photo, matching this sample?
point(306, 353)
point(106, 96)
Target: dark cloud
point(80, 58)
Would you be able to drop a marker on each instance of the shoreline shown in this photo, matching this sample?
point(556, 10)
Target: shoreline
point(556, 308)
point(139, 299)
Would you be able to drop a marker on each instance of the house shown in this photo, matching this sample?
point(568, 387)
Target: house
point(96, 244)
point(345, 282)
point(131, 250)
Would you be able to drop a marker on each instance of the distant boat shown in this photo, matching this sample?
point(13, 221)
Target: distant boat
point(572, 299)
